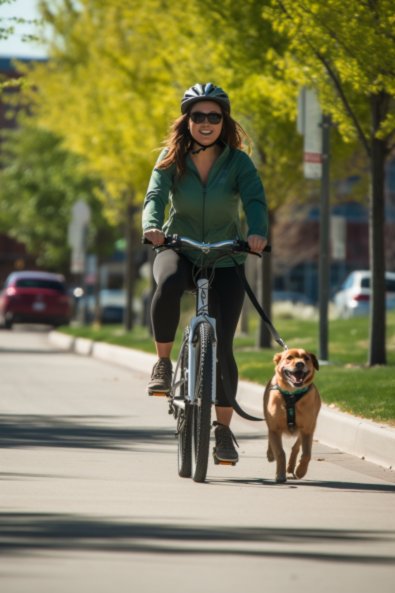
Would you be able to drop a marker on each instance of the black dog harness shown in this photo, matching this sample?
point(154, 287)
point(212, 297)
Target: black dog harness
point(291, 398)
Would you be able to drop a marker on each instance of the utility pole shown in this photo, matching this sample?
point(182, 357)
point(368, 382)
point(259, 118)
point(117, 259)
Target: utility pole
point(324, 260)
point(315, 127)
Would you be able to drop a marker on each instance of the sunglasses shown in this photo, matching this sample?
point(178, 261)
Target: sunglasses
point(198, 117)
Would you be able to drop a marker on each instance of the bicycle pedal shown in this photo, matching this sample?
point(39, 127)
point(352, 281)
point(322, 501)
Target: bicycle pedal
point(221, 462)
point(158, 394)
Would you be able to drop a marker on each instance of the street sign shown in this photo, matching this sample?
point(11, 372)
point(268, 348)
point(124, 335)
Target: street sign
point(309, 124)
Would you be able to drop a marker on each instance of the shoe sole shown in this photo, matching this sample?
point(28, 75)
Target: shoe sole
point(218, 461)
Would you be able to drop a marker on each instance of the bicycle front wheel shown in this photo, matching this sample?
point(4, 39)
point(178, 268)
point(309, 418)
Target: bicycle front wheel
point(184, 417)
point(201, 409)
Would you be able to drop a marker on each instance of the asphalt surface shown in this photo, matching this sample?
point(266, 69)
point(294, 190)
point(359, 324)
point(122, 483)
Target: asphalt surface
point(361, 437)
point(90, 499)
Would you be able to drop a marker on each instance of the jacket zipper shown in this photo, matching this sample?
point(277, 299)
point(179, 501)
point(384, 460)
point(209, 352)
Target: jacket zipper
point(217, 164)
point(204, 213)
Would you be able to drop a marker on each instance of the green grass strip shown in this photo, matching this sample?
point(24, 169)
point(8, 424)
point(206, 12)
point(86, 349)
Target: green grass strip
point(345, 382)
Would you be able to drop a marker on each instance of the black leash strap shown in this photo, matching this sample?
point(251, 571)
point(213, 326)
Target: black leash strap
point(261, 312)
point(225, 379)
point(229, 392)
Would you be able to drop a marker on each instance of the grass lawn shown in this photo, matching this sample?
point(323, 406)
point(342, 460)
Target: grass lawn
point(345, 381)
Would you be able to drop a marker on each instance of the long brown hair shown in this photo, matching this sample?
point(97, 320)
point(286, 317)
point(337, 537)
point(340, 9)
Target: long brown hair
point(179, 141)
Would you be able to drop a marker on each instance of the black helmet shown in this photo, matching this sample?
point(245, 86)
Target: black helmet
point(205, 92)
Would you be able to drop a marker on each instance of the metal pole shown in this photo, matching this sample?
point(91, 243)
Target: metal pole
point(324, 257)
point(129, 270)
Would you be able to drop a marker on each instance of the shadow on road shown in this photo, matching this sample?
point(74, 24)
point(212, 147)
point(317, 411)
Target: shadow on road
point(20, 533)
point(76, 432)
point(293, 483)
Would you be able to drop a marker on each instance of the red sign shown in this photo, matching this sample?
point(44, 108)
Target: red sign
point(313, 157)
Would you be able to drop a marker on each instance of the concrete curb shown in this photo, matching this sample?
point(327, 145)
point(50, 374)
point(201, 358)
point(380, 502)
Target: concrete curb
point(357, 436)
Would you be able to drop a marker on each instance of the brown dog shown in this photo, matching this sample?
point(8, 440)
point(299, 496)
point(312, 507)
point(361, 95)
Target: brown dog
point(291, 405)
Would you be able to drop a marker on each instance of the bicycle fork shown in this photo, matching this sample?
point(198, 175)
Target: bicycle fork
point(202, 316)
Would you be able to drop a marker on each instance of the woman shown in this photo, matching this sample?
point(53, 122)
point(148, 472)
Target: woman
point(203, 174)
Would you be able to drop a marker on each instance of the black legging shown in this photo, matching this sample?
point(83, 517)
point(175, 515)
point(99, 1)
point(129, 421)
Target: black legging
point(173, 276)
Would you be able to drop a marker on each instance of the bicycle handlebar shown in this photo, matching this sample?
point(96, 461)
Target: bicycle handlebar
point(236, 245)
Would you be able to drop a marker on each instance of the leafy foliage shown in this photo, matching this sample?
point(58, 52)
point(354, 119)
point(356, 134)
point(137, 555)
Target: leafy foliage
point(346, 51)
point(39, 182)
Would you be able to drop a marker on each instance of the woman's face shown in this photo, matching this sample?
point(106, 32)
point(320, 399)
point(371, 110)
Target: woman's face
point(205, 132)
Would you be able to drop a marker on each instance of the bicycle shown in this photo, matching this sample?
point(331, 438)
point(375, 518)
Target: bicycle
point(193, 390)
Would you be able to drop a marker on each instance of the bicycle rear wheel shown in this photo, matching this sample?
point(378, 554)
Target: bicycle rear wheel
point(201, 409)
point(184, 416)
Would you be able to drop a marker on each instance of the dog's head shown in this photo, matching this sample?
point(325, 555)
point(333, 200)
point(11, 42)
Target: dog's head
point(295, 367)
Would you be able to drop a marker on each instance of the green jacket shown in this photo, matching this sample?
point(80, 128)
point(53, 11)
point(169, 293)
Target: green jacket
point(208, 212)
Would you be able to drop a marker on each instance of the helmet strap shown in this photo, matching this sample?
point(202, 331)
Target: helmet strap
point(202, 146)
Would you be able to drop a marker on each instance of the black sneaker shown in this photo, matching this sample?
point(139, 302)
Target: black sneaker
point(224, 450)
point(160, 382)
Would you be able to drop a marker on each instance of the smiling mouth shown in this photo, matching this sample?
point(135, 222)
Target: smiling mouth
point(296, 378)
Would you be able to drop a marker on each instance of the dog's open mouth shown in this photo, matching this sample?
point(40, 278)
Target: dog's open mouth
point(296, 378)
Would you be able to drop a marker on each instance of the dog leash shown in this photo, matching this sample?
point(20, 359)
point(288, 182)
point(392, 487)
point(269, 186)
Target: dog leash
point(260, 310)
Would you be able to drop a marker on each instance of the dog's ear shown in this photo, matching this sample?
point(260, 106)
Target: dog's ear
point(277, 358)
point(315, 361)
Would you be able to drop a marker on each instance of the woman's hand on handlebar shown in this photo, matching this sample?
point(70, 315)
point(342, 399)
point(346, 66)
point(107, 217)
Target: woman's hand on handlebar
point(155, 236)
point(256, 243)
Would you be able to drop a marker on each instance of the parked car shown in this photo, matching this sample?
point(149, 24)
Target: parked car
point(112, 305)
point(353, 297)
point(34, 297)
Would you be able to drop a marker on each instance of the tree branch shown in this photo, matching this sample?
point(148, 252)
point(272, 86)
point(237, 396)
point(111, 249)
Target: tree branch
point(336, 82)
point(342, 95)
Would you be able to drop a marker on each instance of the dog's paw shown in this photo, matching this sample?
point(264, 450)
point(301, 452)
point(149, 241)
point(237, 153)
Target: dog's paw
point(301, 470)
point(281, 479)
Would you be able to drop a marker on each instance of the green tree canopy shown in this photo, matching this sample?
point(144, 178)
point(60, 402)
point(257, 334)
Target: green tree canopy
point(346, 51)
point(39, 182)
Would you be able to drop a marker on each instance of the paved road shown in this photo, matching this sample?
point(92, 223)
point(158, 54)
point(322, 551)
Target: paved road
point(90, 500)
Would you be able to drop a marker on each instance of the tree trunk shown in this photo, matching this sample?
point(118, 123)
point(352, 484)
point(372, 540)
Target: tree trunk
point(264, 291)
point(377, 330)
point(265, 337)
point(250, 272)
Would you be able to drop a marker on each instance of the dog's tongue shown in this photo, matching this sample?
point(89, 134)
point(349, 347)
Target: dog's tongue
point(298, 378)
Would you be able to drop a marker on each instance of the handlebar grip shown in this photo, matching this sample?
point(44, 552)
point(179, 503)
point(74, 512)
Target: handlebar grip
point(243, 245)
point(168, 240)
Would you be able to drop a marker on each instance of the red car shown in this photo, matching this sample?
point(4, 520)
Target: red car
point(34, 297)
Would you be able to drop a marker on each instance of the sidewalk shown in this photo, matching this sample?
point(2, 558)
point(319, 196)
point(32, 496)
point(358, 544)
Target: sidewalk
point(363, 438)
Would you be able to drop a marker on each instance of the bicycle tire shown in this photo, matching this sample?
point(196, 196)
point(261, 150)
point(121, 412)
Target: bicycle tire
point(201, 409)
point(184, 419)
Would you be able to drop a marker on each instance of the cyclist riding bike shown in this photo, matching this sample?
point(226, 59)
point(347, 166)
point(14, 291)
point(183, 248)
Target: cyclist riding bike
point(204, 174)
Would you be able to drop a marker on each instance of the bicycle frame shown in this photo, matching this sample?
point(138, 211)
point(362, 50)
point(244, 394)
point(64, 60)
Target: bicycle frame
point(193, 389)
point(201, 316)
